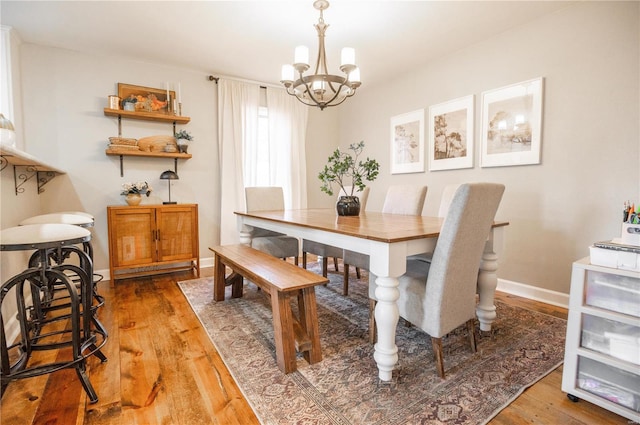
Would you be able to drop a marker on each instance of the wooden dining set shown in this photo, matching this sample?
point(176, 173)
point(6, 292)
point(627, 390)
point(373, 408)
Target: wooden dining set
point(442, 262)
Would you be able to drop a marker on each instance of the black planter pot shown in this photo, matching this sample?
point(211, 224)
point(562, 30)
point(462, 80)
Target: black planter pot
point(348, 206)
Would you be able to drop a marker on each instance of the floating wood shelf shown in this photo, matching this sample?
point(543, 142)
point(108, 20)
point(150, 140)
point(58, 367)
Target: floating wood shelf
point(174, 155)
point(147, 116)
point(33, 168)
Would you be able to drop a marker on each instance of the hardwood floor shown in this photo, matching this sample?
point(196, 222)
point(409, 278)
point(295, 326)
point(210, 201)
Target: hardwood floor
point(182, 379)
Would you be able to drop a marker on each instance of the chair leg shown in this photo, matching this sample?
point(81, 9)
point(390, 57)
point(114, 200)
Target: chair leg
point(304, 260)
point(325, 264)
point(436, 343)
point(345, 279)
point(373, 336)
point(358, 272)
point(295, 260)
point(472, 334)
point(335, 263)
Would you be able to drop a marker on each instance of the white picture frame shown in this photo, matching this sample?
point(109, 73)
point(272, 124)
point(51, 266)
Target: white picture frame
point(512, 124)
point(451, 134)
point(407, 142)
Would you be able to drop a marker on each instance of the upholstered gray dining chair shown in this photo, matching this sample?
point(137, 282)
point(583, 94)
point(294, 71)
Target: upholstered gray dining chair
point(440, 295)
point(329, 251)
point(400, 199)
point(445, 201)
point(273, 243)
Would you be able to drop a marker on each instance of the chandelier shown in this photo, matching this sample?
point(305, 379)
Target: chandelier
point(321, 89)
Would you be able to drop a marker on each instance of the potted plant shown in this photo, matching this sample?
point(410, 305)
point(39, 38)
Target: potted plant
point(345, 169)
point(129, 103)
point(133, 192)
point(183, 138)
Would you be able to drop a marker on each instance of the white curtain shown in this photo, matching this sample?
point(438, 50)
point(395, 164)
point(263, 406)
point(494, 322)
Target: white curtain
point(237, 121)
point(238, 104)
point(287, 131)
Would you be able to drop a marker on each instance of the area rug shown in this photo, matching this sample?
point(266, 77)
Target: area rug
point(343, 388)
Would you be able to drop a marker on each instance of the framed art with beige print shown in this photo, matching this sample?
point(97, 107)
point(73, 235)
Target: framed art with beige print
point(407, 142)
point(451, 134)
point(512, 124)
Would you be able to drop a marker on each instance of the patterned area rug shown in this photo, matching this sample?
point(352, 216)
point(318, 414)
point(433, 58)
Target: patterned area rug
point(343, 388)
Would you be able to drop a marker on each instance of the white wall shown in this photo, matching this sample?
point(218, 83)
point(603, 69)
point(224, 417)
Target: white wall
point(64, 94)
point(589, 57)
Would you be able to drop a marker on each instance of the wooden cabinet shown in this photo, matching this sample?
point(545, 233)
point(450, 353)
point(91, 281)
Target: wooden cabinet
point(602, 352)
point(152, 239)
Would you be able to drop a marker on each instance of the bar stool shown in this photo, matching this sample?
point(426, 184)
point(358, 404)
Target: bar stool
point(77, 218)
point(39, 320)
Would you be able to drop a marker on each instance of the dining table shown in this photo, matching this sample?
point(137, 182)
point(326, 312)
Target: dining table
point(388, 239)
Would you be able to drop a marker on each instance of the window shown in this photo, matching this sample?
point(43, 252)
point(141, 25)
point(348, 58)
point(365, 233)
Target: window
point(262, 163)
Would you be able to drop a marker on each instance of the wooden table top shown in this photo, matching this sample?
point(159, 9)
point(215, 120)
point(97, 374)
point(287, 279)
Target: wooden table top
point(368, 225)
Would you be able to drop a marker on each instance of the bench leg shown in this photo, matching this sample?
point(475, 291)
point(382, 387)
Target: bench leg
point(283, 332)
point(236, 281)
point(218, 278)
point(309, 321)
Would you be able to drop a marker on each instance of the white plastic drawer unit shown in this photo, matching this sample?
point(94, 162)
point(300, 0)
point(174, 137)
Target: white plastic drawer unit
point(616, 339)
point(613, 292)
point(602, 350)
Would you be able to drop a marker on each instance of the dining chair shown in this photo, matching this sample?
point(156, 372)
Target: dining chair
point(400, 199)
point(277, 244)
point(329, 251)
point(445, 202)
point(439, 296)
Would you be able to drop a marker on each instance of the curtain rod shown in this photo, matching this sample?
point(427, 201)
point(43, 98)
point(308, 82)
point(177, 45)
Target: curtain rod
point(261, 84)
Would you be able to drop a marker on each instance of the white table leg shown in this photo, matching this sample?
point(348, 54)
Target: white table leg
point(487, 284)
point(386, 313)
point(245, 235)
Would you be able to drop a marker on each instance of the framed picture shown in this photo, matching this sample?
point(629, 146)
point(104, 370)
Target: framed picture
point(451, 134)
point(145, 99)
point(512, 124)
point(407, 142)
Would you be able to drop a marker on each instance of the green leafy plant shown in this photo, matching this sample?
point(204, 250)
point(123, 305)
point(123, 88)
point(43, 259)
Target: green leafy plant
point(343, 168)
point(130, 99)
point(183, 134)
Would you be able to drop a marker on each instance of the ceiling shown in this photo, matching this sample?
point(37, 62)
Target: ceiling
point(252, 39)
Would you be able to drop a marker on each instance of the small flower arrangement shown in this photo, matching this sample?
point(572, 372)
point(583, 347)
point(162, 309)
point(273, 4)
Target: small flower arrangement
point(140, 188)
point(183, 134)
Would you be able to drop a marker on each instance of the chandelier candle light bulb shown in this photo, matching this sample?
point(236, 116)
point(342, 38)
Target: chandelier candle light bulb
point(348, 56)
point(301, 56)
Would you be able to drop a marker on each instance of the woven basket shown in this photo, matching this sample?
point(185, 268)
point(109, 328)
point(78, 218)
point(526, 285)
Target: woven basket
point(122, 148)
point(123, 141)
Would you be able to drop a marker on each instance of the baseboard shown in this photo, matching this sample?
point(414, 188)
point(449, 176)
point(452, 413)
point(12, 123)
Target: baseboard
point(515, 288)
point(546, 296)
point(204, 263)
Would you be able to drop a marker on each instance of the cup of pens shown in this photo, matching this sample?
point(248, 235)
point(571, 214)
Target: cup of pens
point(631, 225)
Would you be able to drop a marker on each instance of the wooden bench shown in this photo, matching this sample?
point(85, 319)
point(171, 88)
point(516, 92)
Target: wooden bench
point(281, 281)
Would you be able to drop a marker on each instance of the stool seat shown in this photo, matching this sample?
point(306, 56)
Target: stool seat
point(77, 219)
point(86, 214)
point(42, 236)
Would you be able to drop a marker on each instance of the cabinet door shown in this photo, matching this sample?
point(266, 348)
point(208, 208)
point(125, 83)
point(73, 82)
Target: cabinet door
point(177, 233)
point(132, 235)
